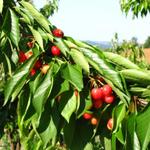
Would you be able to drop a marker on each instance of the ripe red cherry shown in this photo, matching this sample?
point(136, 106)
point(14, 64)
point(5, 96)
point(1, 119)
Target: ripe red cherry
point(97, 93)
point(94, 121)
point(33, 72)
point(38, 64)
point(44, 68)
point(110, 124)
point(22, 56)
point(55, 51)
point(107, 90)
point(87, 116)
point(97, 104)
point(58, 33)
point(30, 44)
point(109, 99)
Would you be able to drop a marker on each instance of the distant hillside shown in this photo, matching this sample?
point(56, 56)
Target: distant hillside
point(101, 44)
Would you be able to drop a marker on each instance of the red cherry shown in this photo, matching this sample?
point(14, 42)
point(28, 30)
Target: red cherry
point(30, 44)
point(87, 116)
point(107, 90)
point(55, 51)
point(109, 99)
point(33, 72)
point(58, 33)
point(97, 93)
point(110, 124)
point(44, 68)
point(97, 104)
point(94, 121)
point(22, 56)
point(38, 64)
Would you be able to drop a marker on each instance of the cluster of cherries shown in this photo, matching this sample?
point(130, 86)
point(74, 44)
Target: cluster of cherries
point(100, 95)
point(54, 50)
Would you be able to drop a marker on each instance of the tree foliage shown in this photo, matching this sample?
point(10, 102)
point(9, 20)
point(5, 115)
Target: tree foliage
point(46, 96)
point(147, 42)
point(137, 7)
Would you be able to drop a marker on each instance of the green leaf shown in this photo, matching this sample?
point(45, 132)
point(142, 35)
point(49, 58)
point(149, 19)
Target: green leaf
point(143, 128)
point(62, 45)
point(120, 60)
point(82, 135)
point(60, 85)
point(11, 26)
point(113, 142)
point(73, 74)
point(34, 83)
point(118, 115)
point(136, 76)
point(68, 104)
point(43, 91)
point(37, 37)
point(25, 16)
point(18, 80)
point(107, 143)
point(22, 108)
point(48, 123)
point(132, 141)
point(69, 131)
point(37, 15)
point(97, 61)
point(1, 6)
point(89, 146)
point(80, 59)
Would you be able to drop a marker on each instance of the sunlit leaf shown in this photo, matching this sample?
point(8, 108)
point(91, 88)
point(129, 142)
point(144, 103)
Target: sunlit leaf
point(37, 37)
point(37, 15)
point(118, 115)
point(73, 74)
point(143, 127)
point(120, 60)
point(80, 59)
point(11, 26)
point(42, 92)
point(18, 79)
point(1, 6)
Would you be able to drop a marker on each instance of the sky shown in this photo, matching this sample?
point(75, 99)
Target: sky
point(98, 20)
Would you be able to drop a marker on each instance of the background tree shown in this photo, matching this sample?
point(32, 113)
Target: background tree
point(147, 42)
point(137, 7)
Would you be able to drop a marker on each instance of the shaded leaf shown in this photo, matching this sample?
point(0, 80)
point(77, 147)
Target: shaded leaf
point(68, 104)
point(48, 124)
point(82, 135)
point(69, 130)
